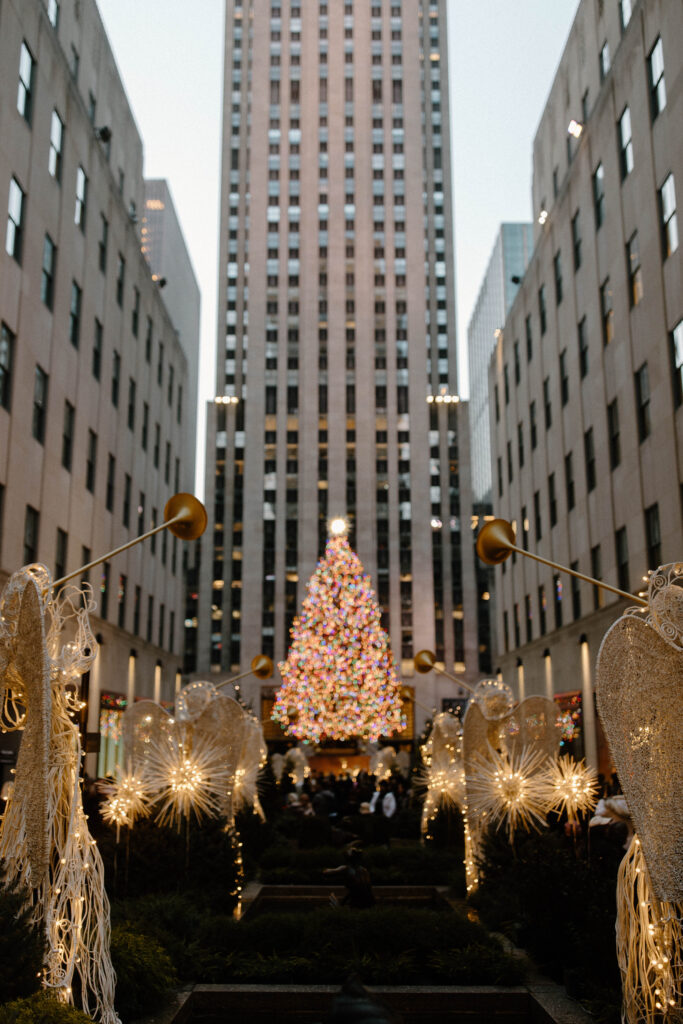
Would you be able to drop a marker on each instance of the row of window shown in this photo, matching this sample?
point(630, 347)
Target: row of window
point(654, 555)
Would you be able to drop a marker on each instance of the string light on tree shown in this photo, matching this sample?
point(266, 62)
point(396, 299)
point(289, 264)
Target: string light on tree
point(339, 679)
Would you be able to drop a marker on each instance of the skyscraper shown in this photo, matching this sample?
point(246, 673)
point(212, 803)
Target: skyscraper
point(336, 331)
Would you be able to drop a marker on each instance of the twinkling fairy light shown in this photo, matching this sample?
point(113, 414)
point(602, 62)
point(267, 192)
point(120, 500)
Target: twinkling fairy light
point(339, 679)
point(187, 775)
point(509, 788)
point(571, 786)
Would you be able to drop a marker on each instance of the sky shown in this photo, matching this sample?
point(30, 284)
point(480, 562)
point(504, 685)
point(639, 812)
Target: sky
point(502, 59)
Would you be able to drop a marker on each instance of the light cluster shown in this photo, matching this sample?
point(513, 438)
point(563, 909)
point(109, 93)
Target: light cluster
point(339, 680)
point(129, 799)
point(510, 788)
point(571, 786)
point(188, 775)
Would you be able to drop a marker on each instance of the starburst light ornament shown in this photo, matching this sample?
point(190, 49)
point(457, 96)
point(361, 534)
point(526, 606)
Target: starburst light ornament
point(339, 680)
point(508, 788)
point(571, 787)
point(188, 776)
point(129, 798)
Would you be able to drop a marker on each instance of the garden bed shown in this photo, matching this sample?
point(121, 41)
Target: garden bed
point(264, 899)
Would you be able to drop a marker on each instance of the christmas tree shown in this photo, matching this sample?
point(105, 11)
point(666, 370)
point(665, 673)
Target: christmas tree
point(339, 680)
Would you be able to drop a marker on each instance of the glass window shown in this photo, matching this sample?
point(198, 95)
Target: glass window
point(6, 361)
point(97, 350)
point(27, 73)
point(655, 66)
point(102, 244)
point(60, 553)
point(542, 309)
point(576, 240)
point(667, 208)
point(606, 311)
point(613, 434)
point(111, 476)
point(583, 347)
point(624, 13)
point(564, 377)
point(589, 453)
point(642, 388)
point(599, 195)
point(75, 314)
point(676, 346)
point(569, 480)
point(557, 268)
point(604, 60)
point(53, 15)
point(81, 198)
point(547, 404)
point(625, 144)
point(120, 279)
point(31, 529)
point(552, 500)
point(15, 220)
point(115, 378)
point(621, 548)
point(40, 386)
point(47, 279)
point(635, 278)
point(68, 435)
point(91, 461)
point(54, 163)
point(653, 537)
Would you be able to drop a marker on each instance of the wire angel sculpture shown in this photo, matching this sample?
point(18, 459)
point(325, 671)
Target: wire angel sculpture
point(45, 646)
point(443, 770)
point(638, 686)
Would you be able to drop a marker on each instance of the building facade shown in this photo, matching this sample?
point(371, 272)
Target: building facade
point(586, 380)
point(94, 383)
point(336, 324)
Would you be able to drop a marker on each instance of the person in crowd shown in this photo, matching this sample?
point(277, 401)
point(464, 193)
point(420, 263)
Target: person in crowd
point(356, 878)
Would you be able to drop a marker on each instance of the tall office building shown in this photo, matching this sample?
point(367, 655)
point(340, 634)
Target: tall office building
point(509, 258)
point(588, 425)
point(336, 326)
point(94, 384)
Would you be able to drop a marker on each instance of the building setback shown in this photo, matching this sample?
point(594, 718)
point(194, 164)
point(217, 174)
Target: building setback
point(588, 429)
point(93, 422)
point(336, 323)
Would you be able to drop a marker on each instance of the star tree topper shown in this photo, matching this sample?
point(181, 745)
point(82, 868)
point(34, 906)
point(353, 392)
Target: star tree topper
point(339, 680)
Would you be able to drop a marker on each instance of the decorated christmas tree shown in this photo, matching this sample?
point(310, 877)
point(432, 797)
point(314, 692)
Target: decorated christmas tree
point(339, 680)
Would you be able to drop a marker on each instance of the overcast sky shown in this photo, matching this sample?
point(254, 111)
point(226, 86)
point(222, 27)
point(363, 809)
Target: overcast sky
point(502, 58)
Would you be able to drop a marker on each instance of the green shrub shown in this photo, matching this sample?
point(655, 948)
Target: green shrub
point(22, 946)
point(41, 1008)
point(144, 973)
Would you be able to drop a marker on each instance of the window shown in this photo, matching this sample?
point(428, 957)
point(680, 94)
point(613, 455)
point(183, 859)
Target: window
point(60, 553)
point(537, 515)
point(91, 461)
point(6, 361)
point(115, 378)
point(75, 62)
point(624, 13)
point(157, 445)
point(15, 220)
point(81, 198)
point(655, 68)
point(506, 383)
point(160, 364)
point(127, 486)
point(31, 530)
point(135, 313)
point(97, 350)
point(583, 347)
point(529, 339)
point(604, 60)
point(606, 312)
point(557, 267)
point(576, 592)
point(532, 425)
point(625, 144)
point(667, 211)
point(542, 309)
point(564, 377)
point(54, 160)
point(569, 480)
point(635, 280)
point(528, 618)
point(517, 366)
point(148, 340)
point(675, 345)
point(137, 601)
point(145, 425)
point(557, 591)
point(621, 548)
point(500, 477)
point(589, 454)
point(141, 512)
point(111, 476)
point(68, 435)
point(547, 404)
point(596, 573)
point(47, 279)
point(653, 537)
point(121, 614)
point(27, 74)
point(552, 500)
point(599, 195)
point(542, 610)
point(520, 443)
point(576, 240)
point(613, 434)
point(509, 453)
point(75, 314)
point(102, 244)
point(171, 376)
point(40, 385)
point(120, 279)
point(642, 387)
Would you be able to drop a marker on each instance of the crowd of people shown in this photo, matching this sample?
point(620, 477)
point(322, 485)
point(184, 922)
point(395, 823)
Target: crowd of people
point(336, 797)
